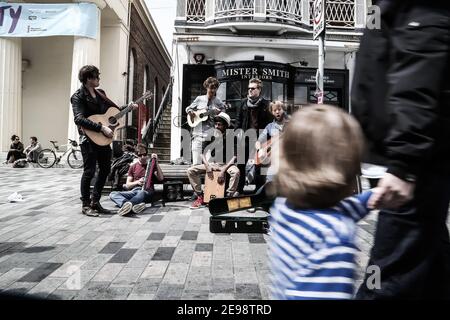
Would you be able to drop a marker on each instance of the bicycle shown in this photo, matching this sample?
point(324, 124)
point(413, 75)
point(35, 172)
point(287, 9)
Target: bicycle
point(47, 157)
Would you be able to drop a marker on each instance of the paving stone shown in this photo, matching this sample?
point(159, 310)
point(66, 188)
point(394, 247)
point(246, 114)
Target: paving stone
point(127, 277)
point(134, 296)
point(155, 269)
point(176, 273)
point(123, 256)
point(146, 286)
point(108, 273)
point(40, 273)
point(44, 288)
point(256, 238)
point(195, 295)
point(164, 253)
point(221, 296)
point(112, 247)
point(156, 236)
point(248, 291)
point(19, 288)
point(204, 247)
point(189, 235)
point(169, 292)
point(156, 218)
point(222, 285)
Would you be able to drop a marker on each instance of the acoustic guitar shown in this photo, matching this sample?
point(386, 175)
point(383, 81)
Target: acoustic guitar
point(201, 116)
point(110, 119)
point(264, 153)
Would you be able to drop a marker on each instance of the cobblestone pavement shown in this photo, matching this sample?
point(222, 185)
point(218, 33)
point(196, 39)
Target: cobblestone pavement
point(49, 249)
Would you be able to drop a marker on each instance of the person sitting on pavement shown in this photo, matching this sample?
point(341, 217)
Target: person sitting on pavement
point(32, 151)
point(222, 123)
point(134, 201)
point(15, 150)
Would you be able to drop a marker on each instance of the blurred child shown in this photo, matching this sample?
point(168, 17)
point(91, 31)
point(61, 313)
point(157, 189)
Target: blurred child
point(313, 222)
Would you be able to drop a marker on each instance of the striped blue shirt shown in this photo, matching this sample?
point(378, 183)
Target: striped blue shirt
point(312, 252)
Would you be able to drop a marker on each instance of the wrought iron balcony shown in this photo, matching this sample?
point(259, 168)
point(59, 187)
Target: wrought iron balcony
point(340, 14)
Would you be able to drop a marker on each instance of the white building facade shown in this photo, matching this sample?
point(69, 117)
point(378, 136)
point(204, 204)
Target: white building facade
point(39, 74)
point(236, 40)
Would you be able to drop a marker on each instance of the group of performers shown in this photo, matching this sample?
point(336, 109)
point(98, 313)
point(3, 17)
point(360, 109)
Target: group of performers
point(255, 113)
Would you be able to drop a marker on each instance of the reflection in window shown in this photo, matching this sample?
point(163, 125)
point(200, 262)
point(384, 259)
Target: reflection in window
point(278, 92)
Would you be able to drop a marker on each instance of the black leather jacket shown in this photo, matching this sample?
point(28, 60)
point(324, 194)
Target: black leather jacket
point(84, 106)
point(243, 115)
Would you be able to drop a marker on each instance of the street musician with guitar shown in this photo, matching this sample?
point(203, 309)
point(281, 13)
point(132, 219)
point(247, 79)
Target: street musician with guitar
point(88, 101)
point(265, 145)
point(201, 115)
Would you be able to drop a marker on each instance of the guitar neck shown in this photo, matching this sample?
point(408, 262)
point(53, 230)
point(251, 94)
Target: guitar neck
point(123, 112)
point(129, 107)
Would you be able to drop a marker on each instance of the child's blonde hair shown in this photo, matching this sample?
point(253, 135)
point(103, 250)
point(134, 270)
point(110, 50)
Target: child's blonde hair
point(320, 157)
point(278, 104)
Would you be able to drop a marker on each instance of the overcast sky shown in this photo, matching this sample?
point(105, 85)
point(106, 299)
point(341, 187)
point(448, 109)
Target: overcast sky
point(163, 13)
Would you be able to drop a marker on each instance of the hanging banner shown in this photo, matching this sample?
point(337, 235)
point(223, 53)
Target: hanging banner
point(44, 20)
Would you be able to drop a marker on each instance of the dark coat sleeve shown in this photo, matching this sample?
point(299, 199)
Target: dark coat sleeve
point(78, 115)
point(416, 78)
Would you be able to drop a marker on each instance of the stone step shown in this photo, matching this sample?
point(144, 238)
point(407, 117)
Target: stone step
point(162, 150)
point(160, 141)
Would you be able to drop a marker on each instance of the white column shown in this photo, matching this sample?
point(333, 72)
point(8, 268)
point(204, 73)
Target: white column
point(85, 51)
point(10, 90)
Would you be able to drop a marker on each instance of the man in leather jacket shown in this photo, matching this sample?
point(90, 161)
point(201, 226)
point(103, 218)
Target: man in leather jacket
point(401, 96)
point(88, 101)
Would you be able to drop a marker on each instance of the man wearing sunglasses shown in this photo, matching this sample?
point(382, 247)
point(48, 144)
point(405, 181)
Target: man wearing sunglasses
point(253, 114)
point(88, 101)
point(134, 201)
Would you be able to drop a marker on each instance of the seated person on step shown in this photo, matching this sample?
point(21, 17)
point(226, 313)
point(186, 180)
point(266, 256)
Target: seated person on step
point(32, 151)
point(135, 200)
point(221, 122)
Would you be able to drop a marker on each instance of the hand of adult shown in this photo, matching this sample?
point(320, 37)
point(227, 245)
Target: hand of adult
point(192, 115)
point(107, 132)
point(221, 178)
point(209, 172)
point(391, 193)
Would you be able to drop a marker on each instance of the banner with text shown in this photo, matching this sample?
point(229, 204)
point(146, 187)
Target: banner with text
point(44, 20)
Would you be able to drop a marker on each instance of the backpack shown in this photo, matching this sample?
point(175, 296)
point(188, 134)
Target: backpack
point(21, 163)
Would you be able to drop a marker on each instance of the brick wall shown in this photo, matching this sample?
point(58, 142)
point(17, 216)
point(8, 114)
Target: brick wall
point(147, 55)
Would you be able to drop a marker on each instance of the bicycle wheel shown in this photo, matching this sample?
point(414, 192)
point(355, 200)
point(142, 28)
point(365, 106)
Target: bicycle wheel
point(46, 158)
point(75, 159)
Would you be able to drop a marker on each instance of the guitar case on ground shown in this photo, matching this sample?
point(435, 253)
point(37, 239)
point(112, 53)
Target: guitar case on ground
point(226, 205)
point(231, 215)
point(240, 222)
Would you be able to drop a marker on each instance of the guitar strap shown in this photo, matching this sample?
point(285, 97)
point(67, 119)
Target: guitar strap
point(148, 183)
point(112, 104)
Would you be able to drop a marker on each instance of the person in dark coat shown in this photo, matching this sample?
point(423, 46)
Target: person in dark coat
point(401, 97)
point(254, 114)
point(15, 150)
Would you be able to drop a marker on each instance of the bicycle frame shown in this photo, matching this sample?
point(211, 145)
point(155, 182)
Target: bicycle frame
point(56, 150)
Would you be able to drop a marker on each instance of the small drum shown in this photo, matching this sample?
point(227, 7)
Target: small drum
point(213, 190)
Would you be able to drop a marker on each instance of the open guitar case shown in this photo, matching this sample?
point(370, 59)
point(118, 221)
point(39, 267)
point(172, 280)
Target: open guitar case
point(231, 215)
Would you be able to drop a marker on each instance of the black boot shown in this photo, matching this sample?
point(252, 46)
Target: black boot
point(87, 210)
point(97, 207)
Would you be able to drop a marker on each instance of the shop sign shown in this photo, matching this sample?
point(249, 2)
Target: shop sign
point(248, 70)
point(43, 20)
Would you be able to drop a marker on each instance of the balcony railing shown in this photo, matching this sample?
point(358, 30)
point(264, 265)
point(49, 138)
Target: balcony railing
point(340, 14)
